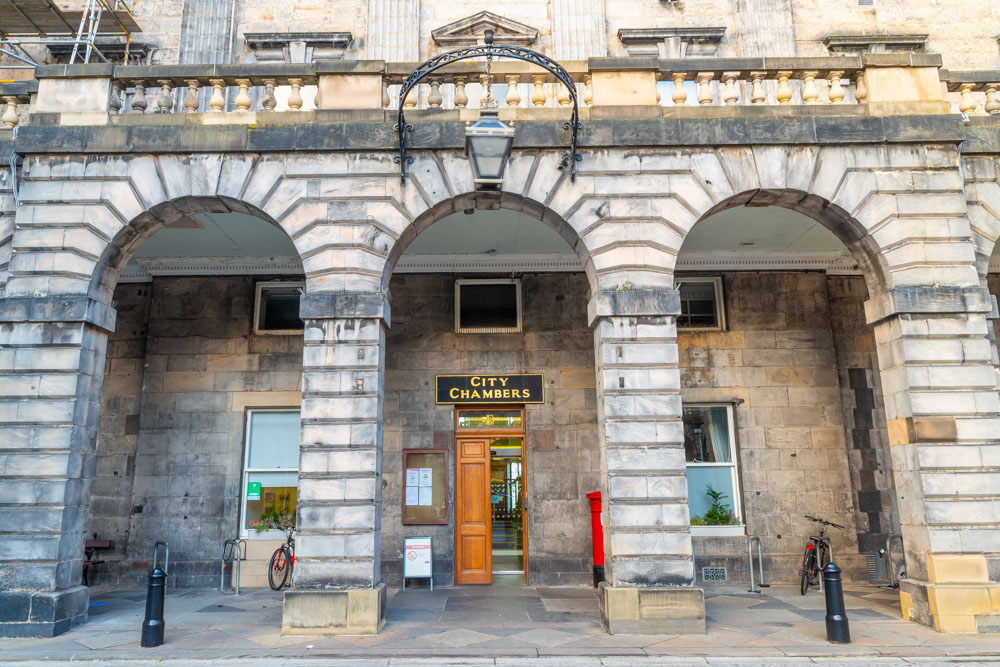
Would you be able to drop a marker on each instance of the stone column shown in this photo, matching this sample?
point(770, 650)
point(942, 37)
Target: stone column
point(579, 29)
point(766, 29)
point(393, 31)
point(336, 583)
point(649, 564)
point(943, 414)
point(51, 371)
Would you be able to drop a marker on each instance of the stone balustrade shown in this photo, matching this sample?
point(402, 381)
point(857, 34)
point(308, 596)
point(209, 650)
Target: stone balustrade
point(878, 85)
point(13, 95)
point(978, 93)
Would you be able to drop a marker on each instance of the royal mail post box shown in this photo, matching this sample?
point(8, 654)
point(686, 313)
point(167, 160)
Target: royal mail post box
point(597, 532)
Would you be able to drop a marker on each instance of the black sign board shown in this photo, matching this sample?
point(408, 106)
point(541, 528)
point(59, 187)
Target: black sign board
point(489, 389)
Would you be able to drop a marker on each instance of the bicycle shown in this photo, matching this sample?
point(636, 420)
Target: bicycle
point(817, 554)
point(279, 572)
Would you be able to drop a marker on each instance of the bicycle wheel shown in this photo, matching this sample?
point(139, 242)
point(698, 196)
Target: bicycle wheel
point(277, 572)
point(807, 568)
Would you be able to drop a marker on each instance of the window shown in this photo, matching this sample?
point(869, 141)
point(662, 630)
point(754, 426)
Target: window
point(710, 452)
point(276, 309)
point(701, 304)
point(271, 477)
point(487, 306)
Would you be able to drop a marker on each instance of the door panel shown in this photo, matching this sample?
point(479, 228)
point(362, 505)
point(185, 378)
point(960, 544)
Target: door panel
point(473, 557)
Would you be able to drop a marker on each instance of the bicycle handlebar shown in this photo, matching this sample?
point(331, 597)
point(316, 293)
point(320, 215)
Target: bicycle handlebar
point(823, 521)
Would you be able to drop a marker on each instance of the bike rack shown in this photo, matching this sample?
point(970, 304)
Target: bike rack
point(166, 556)
point(760, 564)
point(888, 557)
point(228, 547)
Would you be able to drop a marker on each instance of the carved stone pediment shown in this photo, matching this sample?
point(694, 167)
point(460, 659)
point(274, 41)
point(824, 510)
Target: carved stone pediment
point(469, 31)
point(858, 44)
point(673, 42)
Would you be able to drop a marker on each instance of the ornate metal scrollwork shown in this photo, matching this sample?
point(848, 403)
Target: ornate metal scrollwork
point(489, 50)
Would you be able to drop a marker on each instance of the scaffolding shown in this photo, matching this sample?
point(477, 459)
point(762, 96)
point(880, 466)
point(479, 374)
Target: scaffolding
point(43, 23)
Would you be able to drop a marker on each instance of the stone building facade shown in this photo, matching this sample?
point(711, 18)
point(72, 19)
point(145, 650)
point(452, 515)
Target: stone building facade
point(769, 276)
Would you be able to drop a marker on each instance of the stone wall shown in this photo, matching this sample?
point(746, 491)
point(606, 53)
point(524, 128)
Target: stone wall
point(877, 514)
point(963, 31)
point(111, 488)
point(563, 458)
point(202, 368)
point(777, 359)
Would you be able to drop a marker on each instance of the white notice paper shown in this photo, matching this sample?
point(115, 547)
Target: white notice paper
point(411, 495)
point(412, 476)
point(425, 495)
point(425, 477)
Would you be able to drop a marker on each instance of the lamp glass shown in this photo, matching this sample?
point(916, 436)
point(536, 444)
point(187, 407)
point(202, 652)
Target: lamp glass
point(488, 144)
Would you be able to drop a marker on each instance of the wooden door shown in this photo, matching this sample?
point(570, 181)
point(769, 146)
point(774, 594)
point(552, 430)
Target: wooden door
point(473, 539)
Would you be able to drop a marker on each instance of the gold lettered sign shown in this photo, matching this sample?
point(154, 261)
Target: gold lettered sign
point(490, 389)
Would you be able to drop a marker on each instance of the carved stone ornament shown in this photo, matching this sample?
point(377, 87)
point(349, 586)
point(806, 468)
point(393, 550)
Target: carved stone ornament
point(469, 31)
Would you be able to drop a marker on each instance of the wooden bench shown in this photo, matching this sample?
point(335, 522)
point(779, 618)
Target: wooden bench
point(92, 549)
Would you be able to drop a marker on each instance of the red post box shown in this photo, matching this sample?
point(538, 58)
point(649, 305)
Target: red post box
point(597, 532)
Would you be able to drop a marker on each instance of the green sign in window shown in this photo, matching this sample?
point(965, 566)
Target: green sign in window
point(253, 490)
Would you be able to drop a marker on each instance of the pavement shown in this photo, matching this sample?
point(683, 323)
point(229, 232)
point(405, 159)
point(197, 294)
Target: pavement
point(504, 625)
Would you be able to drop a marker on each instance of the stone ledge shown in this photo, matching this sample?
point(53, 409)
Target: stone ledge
point(652, 611)
point(42, 614)
point(335, 305)
point(333, 130)
point(344, 611)
point(58, 309)
point(634, 303)
point(927, 300)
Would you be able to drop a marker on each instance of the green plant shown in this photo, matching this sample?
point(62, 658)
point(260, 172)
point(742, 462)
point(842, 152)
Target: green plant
point(272, 519)
point(718, 514)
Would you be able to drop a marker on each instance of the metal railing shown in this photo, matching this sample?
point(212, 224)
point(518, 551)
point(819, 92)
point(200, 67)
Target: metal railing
point(754, 588)
point(230, 548)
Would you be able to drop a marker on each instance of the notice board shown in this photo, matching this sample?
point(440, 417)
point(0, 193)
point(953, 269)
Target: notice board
point(425, 486)
point(417, 556)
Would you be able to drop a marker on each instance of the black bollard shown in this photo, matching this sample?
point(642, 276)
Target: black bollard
point(837, 628)
point(152, 627)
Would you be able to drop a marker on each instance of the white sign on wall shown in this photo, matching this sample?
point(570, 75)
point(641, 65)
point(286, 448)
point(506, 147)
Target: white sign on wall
point(417, 556)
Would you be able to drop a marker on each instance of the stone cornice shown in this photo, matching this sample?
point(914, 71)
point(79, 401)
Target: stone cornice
point(605, 128)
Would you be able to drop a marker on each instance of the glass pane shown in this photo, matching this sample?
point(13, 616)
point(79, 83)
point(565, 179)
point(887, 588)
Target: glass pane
point(698, 307)
point(489, 419)
point(720, 478)
point(706, 435)
point(279, 308)
point(492, 306)
point(506, 504)
point(278, 491)
point(274, 440)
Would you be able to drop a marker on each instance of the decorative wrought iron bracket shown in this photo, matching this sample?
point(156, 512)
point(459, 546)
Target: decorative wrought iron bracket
point(489, 50)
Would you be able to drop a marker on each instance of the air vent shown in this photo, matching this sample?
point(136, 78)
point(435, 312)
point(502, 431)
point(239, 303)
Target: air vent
point(714, 574)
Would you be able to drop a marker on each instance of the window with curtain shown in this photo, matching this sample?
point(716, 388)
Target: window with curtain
point(710, 452)
point(271, 468)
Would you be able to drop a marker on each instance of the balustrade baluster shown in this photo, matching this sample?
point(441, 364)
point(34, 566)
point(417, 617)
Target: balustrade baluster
point(679, 95)
point(588, 93)
point(731, 93)
point(861, 89)
point(562, 95)
point(243, 101)
point(9, 117)
point(704, 79)
point(837, 92)
point(268, 102)
point(538, 96)
point(757, 95)
point(513, 98)
point(191, 99)
point(434, 99)
point(217, 101)
point(385, 92)
point(139, 97)
point(295, 97)
point(810, 92)
point(784, 91)
point(993, 99)
point(116, 97)
point(967, 105)
point(461, 97)
point(166, 99)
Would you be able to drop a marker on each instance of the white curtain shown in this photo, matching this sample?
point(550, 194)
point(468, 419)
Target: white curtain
point(718, 421)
